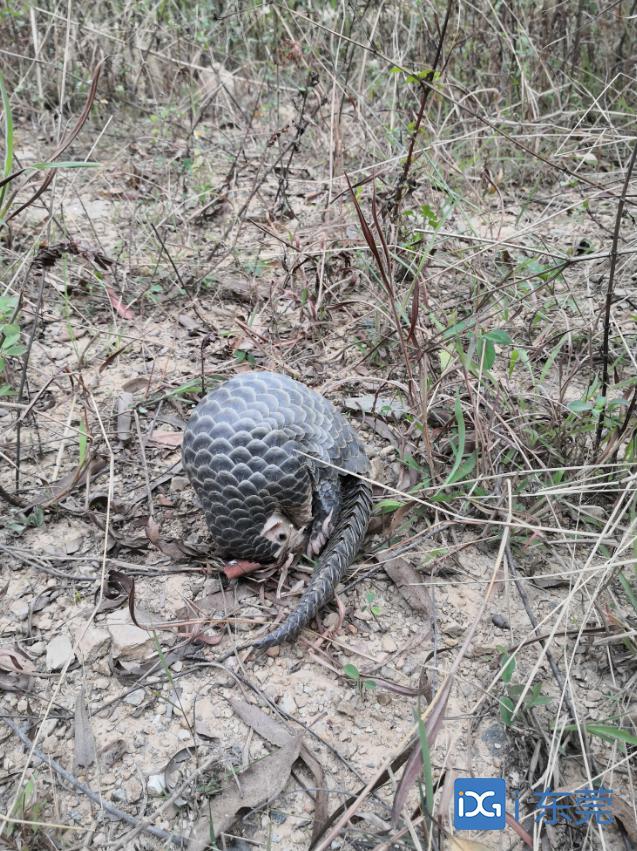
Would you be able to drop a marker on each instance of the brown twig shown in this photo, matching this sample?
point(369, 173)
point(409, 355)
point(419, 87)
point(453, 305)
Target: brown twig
point(609, 292)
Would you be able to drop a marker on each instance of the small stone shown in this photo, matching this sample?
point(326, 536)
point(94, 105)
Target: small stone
point(19, 609)
point(58, 653)
point(93, 642)
point(133, 790)
point(119, 794)
point(129, 641)
point(48, 726)
point(346, 708)
point(388, 644)
point(135, 698)
point(207, 720)
point(156, 785)
point(273, 652)
point(178, 484)
point(330, 621)
point(287, 704)
point(38, 648)
point(383, 698)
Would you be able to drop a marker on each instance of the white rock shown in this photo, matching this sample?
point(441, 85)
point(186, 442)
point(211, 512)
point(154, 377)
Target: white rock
point(20, 609)
point(156, 785)
point(58, 652)
point(288, 704)
point(135, 698)
point(133, 790)
point(93, 643)
point(48, 726)
point(388, 644)
point(129, 641)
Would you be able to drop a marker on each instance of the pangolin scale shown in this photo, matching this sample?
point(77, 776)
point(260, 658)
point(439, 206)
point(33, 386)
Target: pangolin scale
point(276, 469)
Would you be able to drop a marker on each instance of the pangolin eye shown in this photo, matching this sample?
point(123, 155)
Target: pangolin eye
point(282, 536)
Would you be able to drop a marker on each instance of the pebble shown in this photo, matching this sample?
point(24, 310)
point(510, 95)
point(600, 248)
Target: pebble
point(48, 726)
point(178, 484)
point(346, 708)
point(156, 785)
point(330, 621)
point(93, 642)
point(388, 644)
point(288, 704)
point(20, 608)
point(135, 698)
point(58, 652)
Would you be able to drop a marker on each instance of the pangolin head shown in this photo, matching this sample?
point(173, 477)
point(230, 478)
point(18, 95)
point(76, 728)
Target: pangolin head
point(283, 535)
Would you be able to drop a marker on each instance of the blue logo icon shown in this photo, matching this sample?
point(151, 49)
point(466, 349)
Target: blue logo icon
point(479, 803)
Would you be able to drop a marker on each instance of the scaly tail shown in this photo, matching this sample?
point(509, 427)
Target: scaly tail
point(337, 556)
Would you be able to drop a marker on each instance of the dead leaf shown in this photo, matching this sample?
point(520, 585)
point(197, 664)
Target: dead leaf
point(410, 584)
point(234, 569)
point(64, 486)
point(379, 406)
point(272, 731)
point(115, 591)
point(118, 305)
point(193, 326)
point(278, 733)
point(169, 439)
point(84, 739)
point(113, 752)
point(623, 811)
point(174, 771)
point(252, 788)
point(15, 662)
point(173, 548)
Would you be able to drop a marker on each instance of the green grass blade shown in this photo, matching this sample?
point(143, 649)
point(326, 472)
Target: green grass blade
point(459, 452)
point(8, 140)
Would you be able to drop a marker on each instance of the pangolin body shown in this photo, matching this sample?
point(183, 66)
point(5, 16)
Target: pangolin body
point(271, 462)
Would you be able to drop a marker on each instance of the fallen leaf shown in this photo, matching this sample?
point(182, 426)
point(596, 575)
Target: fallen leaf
point(173, 548)
point(170, 439)
point(15, 670)
point(118, 305)
point(380, 406)
point(113, 752)
point(410, 584)
point(84, 739)
point(625, 812)
point(252, 788)
point(278, 733)
point(15, 662)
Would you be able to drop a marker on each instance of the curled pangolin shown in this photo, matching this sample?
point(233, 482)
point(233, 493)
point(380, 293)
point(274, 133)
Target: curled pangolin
point(261, 452)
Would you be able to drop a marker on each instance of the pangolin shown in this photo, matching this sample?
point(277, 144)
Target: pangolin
point(275, 467)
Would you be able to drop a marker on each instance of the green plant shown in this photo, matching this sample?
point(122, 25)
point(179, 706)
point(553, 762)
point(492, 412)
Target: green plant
point(8, 175)
point(514, 691)
point(10, 339)
point(364, 684)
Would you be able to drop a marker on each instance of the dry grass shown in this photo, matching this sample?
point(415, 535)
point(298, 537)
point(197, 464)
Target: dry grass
point(425, 212)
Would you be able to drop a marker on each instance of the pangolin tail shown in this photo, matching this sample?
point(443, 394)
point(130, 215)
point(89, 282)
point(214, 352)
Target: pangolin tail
point(338, 554)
